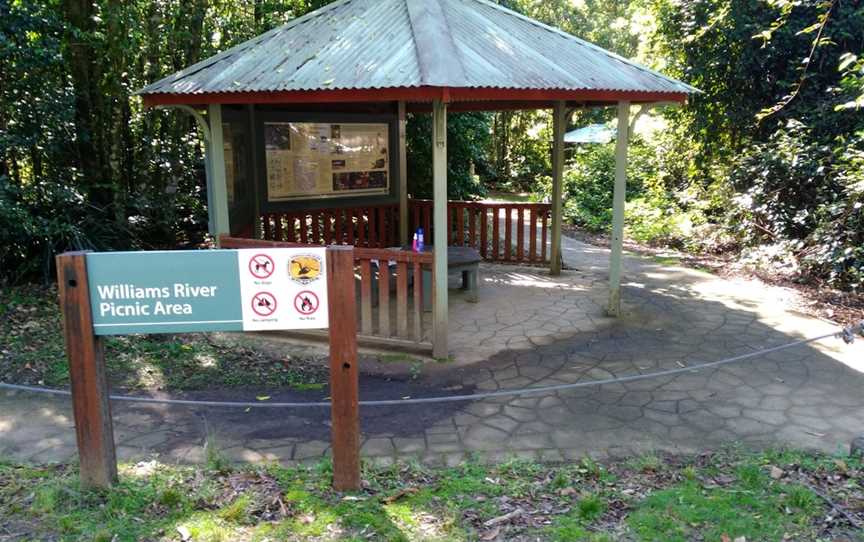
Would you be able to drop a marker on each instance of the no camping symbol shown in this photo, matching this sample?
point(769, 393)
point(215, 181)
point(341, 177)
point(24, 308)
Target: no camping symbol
point(264, 304)
point(306, 303)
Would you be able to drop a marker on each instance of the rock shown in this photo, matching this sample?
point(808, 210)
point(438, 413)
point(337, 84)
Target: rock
point(777, 473)
point(857, 447)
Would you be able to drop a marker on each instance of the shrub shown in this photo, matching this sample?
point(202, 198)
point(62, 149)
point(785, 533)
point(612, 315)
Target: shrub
point(834, 251)
point(589, 180)
point(39, 220)
point(805, 195)
point(655, 220)
point(467, 140)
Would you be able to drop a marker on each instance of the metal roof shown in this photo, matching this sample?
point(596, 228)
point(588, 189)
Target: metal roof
point(389, 44)
point(593, 133)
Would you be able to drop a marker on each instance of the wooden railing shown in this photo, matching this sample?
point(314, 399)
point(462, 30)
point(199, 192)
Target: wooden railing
point(390, 291)
point(374, 226)
point(501, 232)
point(490, 228)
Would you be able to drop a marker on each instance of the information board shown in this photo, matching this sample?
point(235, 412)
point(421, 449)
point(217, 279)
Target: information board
point(305, 159)
point(207, 290)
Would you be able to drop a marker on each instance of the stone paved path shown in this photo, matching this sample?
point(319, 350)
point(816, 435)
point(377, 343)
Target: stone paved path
point(545, 331)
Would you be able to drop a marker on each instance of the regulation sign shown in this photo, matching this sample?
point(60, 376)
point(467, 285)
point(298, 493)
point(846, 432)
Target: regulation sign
point(207, 290)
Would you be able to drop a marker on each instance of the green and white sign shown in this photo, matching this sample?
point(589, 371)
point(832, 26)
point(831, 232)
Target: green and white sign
point(207, 290)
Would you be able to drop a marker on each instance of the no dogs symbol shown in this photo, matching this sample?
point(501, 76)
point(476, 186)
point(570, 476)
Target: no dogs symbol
point(264, 304)
point(261, 266)
point(306, 303)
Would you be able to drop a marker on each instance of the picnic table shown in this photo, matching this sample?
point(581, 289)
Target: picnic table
point(465, 260)
point(459, 259)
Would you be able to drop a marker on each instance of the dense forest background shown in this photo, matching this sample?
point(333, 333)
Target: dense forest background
point(768, 163)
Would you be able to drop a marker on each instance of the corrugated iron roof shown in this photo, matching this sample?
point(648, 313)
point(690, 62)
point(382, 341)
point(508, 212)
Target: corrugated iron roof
point(378, 44)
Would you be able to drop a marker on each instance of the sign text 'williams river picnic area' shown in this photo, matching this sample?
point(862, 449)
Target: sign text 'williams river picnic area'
point(208, 290)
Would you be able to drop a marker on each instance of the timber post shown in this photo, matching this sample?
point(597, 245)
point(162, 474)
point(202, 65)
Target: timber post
point(440, 349)
point(404, 233)
point(559, 125)
point(85, 351)
point(344, 380)
point(618, 202)
point(217, 191)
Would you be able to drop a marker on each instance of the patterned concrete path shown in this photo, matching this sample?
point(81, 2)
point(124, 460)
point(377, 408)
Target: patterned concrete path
point(810, 396)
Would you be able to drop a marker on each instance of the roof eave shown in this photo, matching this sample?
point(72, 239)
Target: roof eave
point(416, 94)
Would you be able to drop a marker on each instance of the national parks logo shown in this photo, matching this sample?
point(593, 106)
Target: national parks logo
point(305, 268)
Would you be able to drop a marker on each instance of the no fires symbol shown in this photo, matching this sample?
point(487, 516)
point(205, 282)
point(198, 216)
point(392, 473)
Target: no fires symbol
point(306, 303)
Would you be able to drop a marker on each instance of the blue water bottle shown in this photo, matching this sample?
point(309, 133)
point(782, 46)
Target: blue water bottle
point(420, 240)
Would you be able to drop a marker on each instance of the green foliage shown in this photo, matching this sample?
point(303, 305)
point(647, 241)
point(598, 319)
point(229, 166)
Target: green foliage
point(771, 146)
point(834, 249)
point(40, 219)
point(782, 181)
point(607, 23)
point(769, 155)
point(467, 141)
point(852, 83)
point(653, 214)
point(588, 184)
point(808, 194)
point(82, 164)
point(519, 149)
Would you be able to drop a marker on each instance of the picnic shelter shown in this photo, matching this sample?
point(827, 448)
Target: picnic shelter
point(305, 136)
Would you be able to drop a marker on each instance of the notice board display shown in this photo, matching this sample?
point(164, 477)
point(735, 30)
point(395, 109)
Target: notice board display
point(207, 290)
point(306, 159)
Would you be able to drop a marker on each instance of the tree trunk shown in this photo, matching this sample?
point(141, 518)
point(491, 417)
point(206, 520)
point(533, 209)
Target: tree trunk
point(114, 122)
point(36, 162)
point(82, 69)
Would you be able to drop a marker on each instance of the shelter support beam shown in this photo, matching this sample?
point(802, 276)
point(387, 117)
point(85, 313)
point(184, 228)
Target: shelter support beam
point(217, 191)
point(256, 196)
point(618, 209)
point(404, 234)
point(439, 221)
point(559, 126)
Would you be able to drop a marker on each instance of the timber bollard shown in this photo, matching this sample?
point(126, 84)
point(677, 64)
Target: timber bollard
point(93, 427)
point(344, 380)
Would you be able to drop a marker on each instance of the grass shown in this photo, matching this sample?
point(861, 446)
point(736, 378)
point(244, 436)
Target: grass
point(398, 358)
point(32, 352)
point(724, 495)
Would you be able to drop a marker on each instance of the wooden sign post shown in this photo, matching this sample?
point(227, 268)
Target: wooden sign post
point(344, 385)
point(85, 352)
point(194, 291)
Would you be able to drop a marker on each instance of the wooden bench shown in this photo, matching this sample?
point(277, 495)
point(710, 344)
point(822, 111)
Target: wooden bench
point(465, 260)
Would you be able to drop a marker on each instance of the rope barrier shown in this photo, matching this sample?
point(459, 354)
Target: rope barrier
point(847, 334)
